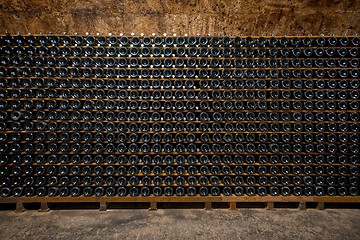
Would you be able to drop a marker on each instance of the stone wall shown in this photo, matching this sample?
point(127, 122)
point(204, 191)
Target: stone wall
point(181, 16)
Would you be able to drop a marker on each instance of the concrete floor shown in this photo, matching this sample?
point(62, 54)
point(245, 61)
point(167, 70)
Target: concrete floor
point(182, 224)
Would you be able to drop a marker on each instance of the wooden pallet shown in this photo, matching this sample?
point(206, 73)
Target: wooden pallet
point(152, 200)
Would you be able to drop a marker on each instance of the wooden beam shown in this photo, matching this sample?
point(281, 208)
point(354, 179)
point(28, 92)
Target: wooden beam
point(270, 206)
point(153, 206)
point(208, 206)
point(232, 205)
point(44, 207)
point(320, 206)
point(264, 199)
point(302, 205)
point(103, 206)
point(20, 207)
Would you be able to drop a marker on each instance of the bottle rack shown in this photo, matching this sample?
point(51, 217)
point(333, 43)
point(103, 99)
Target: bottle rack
point(179, 119)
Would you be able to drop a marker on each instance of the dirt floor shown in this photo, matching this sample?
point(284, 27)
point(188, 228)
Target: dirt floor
point(182, 224)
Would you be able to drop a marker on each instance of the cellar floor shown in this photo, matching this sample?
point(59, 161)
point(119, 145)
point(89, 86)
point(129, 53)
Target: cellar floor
point(246, 223)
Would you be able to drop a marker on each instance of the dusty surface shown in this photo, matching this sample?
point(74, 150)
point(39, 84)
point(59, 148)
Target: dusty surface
point(181, 16)
point(182, 224)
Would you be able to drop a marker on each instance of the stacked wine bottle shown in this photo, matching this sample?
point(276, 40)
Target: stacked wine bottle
point(179, 116)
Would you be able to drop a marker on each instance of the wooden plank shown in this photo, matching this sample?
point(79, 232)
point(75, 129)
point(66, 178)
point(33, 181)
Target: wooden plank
point(355, 199)
point(336, 199)
point(232, 205)
point(268, 199)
